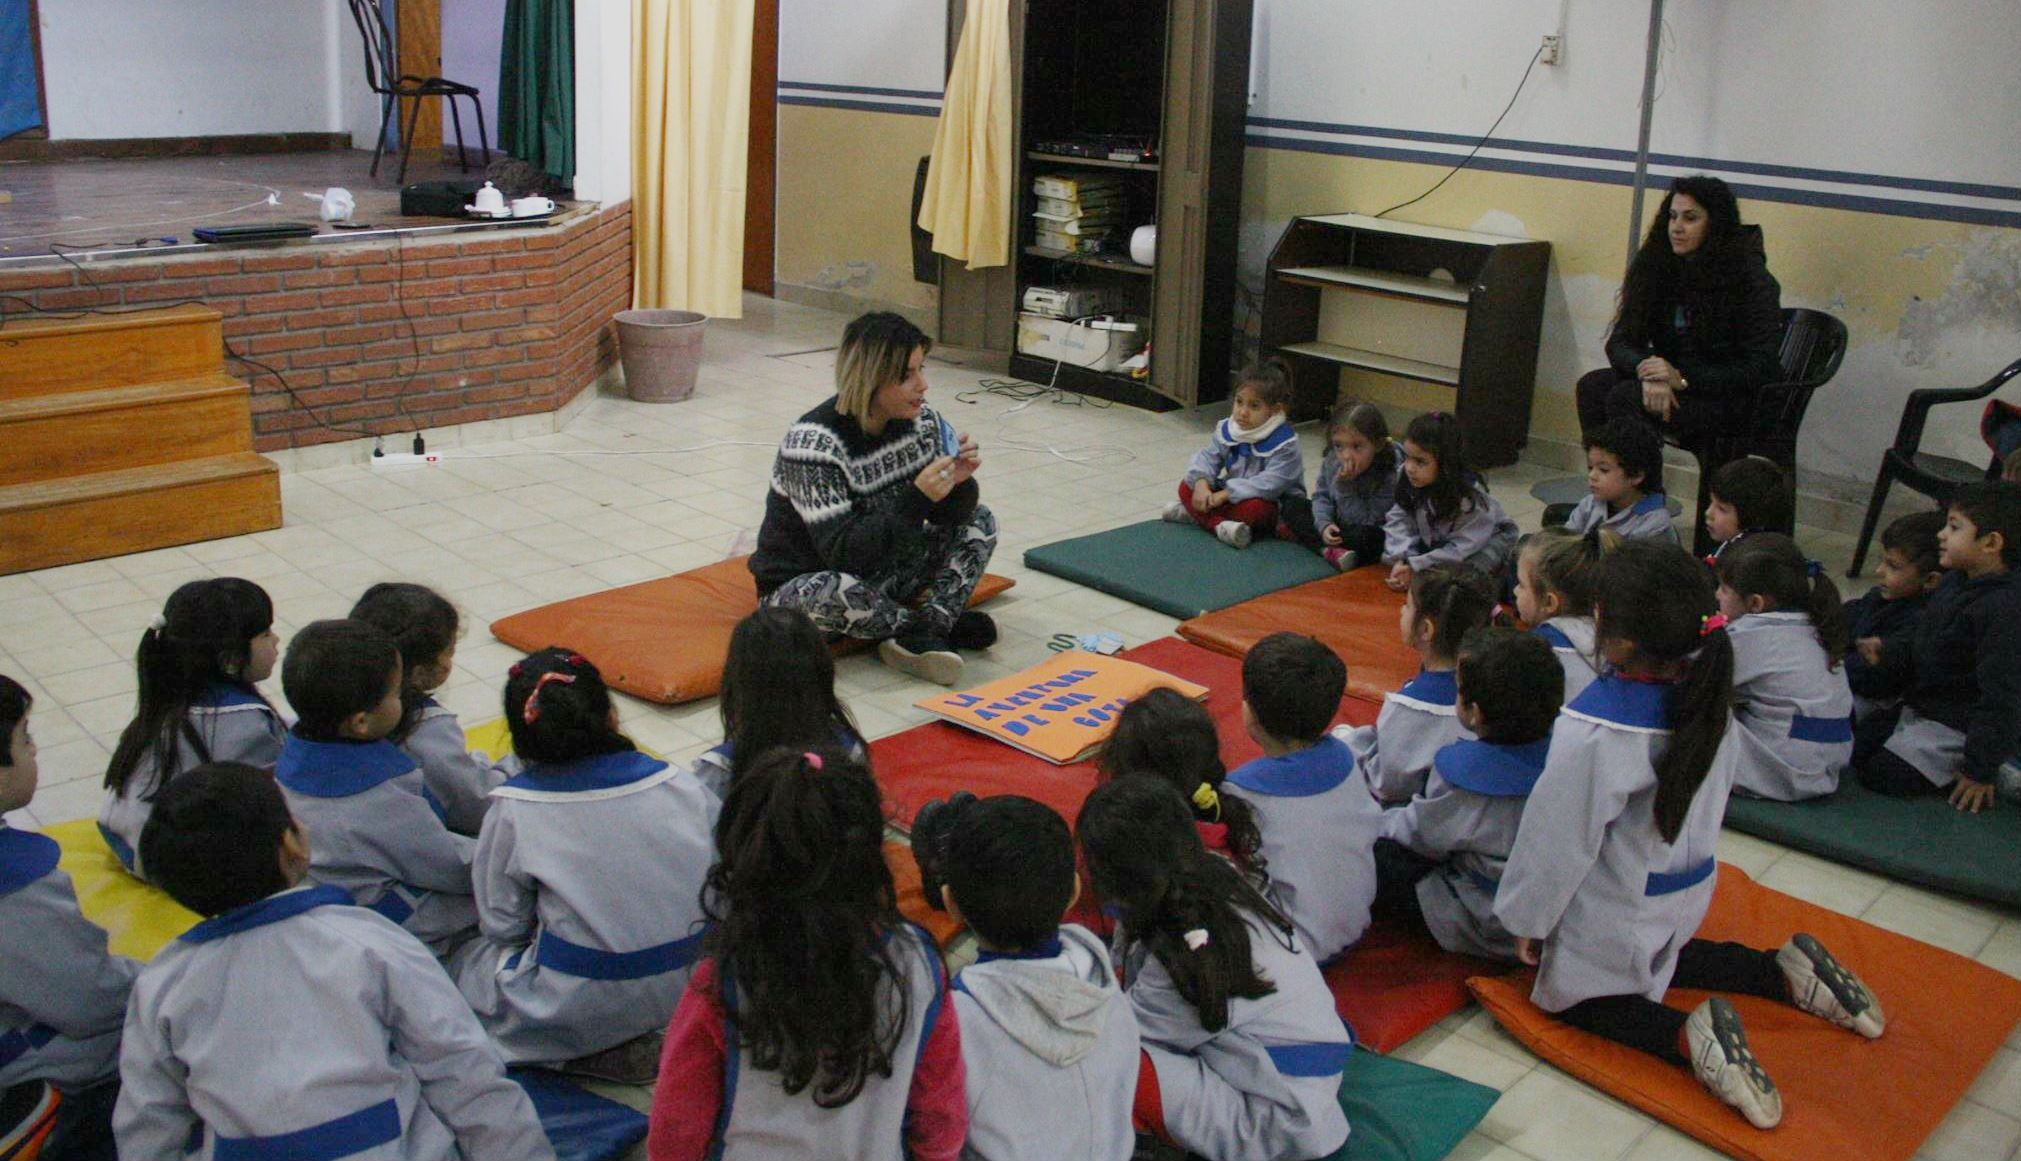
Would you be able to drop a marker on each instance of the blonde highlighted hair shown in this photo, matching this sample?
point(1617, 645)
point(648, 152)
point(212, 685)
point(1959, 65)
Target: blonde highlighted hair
point(876, 352)
point(1567, 563)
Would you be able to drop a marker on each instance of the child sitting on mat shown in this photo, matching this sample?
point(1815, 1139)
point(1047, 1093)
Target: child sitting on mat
point(1624, 483)
point(1165, 734)
point(425, 627)
point(1908, 573)
point(1233, 486)
point(1417, 721)
point(588, 878)
point(1613, 866)
point(778, 690)
point(1792, 709)
point(372, 827)
point(290, 1022)
point(62, 994)
point(1048, 1040)
point(1442, 854)
point(1554, 596)
point(1959, 670)
point(1748, 495)
point(818, 1022)
point(200, 663)
point(1353, 492)
point(1443, 513)
point(1318, 821)
point(1242, 1050)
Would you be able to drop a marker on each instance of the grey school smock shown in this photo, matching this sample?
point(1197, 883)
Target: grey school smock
point(1319, 825)
point(1792, 709)
point(62, 993)
point(234, 724)
point(1571, 641)
point(460, 782)
point(1414, 724)
point(1645, 519)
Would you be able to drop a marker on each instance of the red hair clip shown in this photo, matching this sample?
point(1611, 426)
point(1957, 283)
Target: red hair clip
point(530, 713)
point(1711, 623)
point(813, 760)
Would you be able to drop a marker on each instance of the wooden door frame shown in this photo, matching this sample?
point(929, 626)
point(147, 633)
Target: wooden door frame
point(417, 39)
point(761, 162)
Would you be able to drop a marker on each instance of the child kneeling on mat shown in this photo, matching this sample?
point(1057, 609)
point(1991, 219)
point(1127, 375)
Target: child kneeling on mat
point(1443, 604)
point(1442, 854)
point(1613, 868)
point(1353, 492)
point(381, 1053)
point(1318, 821)
point(1048, 1039)
point(1233, 485)
point(1243, 1051)
point(1792, 709)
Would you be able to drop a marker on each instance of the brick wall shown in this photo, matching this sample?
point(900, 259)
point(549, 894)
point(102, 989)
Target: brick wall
point(387, 337)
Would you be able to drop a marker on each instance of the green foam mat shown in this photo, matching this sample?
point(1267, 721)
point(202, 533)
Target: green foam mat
point(1178, 569)
point(1399, 1111)
point(1916, 840)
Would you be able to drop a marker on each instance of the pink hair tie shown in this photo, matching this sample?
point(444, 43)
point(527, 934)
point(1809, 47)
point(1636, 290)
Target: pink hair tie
point(1711, 623)
point(530, 713)
point(813, 760)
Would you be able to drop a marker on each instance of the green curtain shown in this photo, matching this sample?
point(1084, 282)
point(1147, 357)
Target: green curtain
point(536, 85)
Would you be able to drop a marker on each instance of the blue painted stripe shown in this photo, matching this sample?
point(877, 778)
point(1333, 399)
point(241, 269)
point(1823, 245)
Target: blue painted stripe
point(1671, 882)
point(863, 106)
point(1309, 1060)
point(16, 1043)
point(924, 94)
point(1805, 728)
point(558, 954)
point(362, 1130)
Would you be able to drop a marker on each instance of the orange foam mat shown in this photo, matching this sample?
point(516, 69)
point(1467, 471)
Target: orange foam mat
point(663, 640)
point(911, 899)
point(1844, 1097)
point(1354, 613)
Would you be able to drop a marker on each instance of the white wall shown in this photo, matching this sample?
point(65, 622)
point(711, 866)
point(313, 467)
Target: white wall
point(885, 44)
point(472, 34)
point(603, 100)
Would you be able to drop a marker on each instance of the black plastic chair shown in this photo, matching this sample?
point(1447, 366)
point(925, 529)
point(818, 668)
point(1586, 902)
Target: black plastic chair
point(1934, 476)
point(1813, 343)
point(393, 87)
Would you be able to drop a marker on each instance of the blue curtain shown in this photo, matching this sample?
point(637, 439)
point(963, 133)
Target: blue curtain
point(20, 107)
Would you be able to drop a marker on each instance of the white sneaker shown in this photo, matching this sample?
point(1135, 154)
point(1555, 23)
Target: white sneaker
point(1721, 1061)
point(928, 658)
point(1175, 513)
point(1232, 533)
point(1823, 987)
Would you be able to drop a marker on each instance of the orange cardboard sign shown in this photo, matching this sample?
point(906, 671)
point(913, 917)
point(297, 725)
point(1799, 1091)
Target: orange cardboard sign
point(1061, 709)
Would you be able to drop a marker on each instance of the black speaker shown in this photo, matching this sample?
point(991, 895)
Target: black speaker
point(438, 199)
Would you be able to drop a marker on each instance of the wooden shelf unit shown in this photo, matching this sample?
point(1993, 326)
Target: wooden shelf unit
point(1453, 308)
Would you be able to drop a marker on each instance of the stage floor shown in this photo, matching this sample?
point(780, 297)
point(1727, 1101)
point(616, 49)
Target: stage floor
point(108, 207)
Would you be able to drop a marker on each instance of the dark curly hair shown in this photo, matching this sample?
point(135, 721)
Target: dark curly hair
point(1167, 735)
point(779, 688)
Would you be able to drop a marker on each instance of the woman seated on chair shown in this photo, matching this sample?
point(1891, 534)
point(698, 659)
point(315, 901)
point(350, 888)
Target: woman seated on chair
point(1700, 325)
point(872, 523)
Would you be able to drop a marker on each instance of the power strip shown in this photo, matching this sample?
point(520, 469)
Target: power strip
point(404, 459)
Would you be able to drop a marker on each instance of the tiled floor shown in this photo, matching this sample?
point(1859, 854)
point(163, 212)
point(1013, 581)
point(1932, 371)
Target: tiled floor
point(631, 491)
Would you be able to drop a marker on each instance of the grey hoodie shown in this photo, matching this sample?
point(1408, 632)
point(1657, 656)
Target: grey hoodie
point(1050, 1045)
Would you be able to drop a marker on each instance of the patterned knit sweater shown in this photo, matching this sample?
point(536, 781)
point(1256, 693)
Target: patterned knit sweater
point(842, 499)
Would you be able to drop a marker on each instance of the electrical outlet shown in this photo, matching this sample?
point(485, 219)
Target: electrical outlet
point(404, 459)
point(1549, 53)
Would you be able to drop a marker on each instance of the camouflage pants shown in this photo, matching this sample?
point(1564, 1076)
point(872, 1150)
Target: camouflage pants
point(926, 589)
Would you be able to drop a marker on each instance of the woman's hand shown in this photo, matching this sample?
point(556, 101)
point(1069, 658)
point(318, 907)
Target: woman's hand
point(1659, 399)
point(940, 476)
point(968, 460)
point(1330, 536)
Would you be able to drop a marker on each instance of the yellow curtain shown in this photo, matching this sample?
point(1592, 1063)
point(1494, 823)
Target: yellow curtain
point(693, 116)
point(968, 194)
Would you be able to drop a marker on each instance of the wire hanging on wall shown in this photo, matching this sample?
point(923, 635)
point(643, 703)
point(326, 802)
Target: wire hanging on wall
point(1482, 143)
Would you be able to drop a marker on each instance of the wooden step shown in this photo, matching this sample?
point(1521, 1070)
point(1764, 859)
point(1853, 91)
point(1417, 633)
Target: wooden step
point(114, 513)
point(46, 437)
point(40, 355)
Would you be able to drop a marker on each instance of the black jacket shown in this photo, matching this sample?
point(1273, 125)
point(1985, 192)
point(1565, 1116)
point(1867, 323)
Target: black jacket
point(1961, 665)
point(1731, 339)
point(1874, 616)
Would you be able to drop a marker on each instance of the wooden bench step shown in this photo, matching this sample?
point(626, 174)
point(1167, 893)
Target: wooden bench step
point(43, 437)
point(113, 513)
point(44, 354)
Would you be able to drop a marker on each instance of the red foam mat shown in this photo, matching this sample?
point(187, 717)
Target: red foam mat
point(1396, 983)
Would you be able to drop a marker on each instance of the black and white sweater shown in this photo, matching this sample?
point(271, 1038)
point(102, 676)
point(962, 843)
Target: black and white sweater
point(842, 499)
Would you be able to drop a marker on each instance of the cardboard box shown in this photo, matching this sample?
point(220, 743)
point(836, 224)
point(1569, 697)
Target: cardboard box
point(1082, 345)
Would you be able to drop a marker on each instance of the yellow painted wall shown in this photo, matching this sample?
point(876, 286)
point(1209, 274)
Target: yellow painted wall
point(845, 202)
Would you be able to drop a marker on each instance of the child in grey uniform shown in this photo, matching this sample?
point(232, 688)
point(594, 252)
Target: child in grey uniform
point(1442, 854)
point(818, 1024)
point(199, 663)
point(377, 1055)
point(1624, 484)
point(361, 802)
point(1417, 721)
point(1792, 708)
point(1318, 821)
point(425, 626)
point(778, 690)
point(1443, 513)
point(1048, 1040)
point(1243, 1052)
point(1353, 492)
point(589, 881)
point(62, 994)
point(1165, 734)
point(1554, 597)
point(1613, 868)
point(1234, 485)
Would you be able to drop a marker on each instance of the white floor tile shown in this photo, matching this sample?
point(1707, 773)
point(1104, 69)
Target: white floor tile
point(1546, 1115)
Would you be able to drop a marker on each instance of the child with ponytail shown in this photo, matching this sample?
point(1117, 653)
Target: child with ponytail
point(1443, 603)
point(1443, 513)
point(778, 690)
point(1792, 704)
point(1554, 596)
point(1242, 1050)
point(588, 875)
point(1167, 735)
point(1613, 864)
point(200, 663)
point(817, 1024)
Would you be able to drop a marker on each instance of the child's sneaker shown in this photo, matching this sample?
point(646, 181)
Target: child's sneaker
point(1344, 559)
point(1721, 1061)
point(1823, 987)
point(1176, 513)
point(1232, 533)
point(922, 656)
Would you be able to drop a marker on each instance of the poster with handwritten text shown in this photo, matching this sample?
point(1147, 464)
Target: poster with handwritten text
point(1060, 709)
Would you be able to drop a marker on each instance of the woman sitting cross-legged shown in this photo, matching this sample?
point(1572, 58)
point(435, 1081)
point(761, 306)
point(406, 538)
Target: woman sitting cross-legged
point(873, 526)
